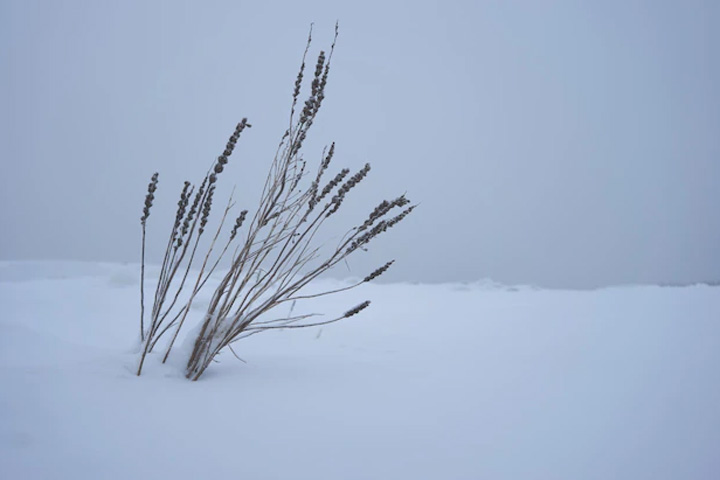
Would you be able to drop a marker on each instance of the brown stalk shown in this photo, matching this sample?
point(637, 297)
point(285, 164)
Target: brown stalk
point(278, 256)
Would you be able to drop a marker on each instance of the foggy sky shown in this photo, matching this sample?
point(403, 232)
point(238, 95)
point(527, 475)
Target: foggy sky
point(563, 144)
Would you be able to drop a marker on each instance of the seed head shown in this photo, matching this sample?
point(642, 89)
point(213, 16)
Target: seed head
point(357, 309)
point(150, 197)
point(207, 206)
point(332, 184)
point(379, 228)
point(318, 72)
point(378, 272)
point(222, 160)
point(383, 209)
point(347, 186)
point(182, 204)
point(238, 223)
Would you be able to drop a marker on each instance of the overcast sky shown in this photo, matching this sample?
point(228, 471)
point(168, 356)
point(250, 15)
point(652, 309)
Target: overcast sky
point(563, 144)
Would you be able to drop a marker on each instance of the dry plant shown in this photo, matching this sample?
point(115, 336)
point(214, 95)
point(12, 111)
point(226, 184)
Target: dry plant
point(277, 256)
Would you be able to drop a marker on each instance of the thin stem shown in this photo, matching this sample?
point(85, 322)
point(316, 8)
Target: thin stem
point(142, 286)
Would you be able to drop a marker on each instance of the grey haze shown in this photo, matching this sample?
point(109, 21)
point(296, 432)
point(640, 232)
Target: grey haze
point(564, 144)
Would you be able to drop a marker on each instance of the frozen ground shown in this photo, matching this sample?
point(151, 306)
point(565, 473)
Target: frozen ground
point(432, 382)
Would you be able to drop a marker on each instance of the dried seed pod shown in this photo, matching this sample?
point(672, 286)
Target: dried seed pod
point(379, 228)
point(222, 160)
point(207, 206)
point(150, 197)
point(346, 187)
point(357, 309)
point(193, 210)
point(182, 204)
point(378, 271)
point(332, 184)
point(238, 223)
point(318, 73)
point(400, 217)
point(383, 208)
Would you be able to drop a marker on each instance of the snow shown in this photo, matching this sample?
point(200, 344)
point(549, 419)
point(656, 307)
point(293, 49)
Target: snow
point(454, 381)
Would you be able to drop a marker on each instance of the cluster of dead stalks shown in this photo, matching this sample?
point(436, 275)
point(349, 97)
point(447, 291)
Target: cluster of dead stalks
point(274, 250)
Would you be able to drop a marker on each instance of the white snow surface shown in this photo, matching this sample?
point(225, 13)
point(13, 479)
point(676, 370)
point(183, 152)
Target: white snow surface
point(454, 381)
